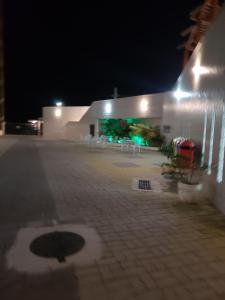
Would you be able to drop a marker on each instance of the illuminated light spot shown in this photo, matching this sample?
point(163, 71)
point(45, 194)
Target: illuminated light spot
point(108, 108)
point(110, 138)
point(196, 70)
point(204, 137)
point(144, 105)
point(178, 94)
point(219, 177)
point(59, 103)
point(200, 70)
point(138, 140)
point(58, 112)
point(213, 119)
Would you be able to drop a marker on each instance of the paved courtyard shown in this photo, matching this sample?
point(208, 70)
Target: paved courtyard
point(152, 246)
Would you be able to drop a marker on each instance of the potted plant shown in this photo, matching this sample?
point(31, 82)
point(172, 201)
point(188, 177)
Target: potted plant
point(190, 187)
point(188, 176)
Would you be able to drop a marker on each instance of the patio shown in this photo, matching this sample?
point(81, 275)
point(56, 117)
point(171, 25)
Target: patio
point(152, 247)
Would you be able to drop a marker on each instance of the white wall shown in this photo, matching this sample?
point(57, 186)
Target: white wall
point(74, 122)
point(54, 126)
point(75, 131)
point(145, 106)
point(202, 94)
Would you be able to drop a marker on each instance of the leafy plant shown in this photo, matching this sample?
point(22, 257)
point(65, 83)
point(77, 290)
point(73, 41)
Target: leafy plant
point(180, 168)
point(150, 135)
point(168, 150)
point(115, 128)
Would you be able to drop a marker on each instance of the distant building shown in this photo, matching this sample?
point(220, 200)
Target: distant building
point(2, 100)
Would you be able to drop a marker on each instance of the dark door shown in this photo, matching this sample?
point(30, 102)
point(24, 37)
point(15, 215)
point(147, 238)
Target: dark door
point(92, 129)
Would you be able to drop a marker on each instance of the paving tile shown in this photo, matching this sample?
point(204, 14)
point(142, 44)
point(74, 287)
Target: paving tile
point(152, 246)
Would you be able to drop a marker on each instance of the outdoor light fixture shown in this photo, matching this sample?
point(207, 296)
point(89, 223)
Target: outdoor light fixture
point(144, 105)
point(198, 70)
point(108, 108)
point(58, 112)
point(33, 121)
point(178, 94)
point(59, 103)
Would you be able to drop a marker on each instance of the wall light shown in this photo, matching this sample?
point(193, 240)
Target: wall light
point(144, 105)
point(58, 112)
point(198, 70)
point(108, 108)
point(178, 94)
point(59, 103)
point(33, 121)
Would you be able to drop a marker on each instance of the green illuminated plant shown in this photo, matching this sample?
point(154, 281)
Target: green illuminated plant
point(150, 135)
point(114, 128)
point(141, 134)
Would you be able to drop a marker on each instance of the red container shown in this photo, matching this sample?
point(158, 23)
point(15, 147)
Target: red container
point(186, 148)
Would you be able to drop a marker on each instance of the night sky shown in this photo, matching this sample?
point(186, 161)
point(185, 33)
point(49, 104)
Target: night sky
point(78, 51)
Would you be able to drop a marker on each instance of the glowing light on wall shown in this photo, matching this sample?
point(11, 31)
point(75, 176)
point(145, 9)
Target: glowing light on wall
point(59, 103)
point(179, 94)
point(58, 112)
point(144, 105)
point(201, 70)
point(219, 177)
point(204, 137)
point(213, 119)
point(198, 70)
point(108, 108)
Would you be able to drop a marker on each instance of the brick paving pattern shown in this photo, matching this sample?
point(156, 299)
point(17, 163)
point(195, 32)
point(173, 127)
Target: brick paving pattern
point(153, 246)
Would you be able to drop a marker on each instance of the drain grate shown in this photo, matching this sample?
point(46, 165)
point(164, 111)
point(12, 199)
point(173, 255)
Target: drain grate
point(144, 184)
point(57, 244)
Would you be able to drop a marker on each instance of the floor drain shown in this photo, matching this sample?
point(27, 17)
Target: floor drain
point(144, 184)
point(58, 244)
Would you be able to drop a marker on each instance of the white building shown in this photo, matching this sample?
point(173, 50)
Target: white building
point(195, 109)
point(76, 122)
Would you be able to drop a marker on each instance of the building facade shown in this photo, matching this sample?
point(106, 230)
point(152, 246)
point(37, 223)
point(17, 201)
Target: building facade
point(73, 123)
point(195, 109)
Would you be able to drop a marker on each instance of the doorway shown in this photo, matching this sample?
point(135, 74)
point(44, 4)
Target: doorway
point(92, 129)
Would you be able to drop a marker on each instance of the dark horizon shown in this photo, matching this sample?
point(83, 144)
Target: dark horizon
point(79, 53)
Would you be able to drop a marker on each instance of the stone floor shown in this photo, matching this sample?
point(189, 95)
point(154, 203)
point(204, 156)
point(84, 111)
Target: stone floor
point(153, 247)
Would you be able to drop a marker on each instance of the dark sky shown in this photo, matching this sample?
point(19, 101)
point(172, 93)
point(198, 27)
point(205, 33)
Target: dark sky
point(78, 51)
